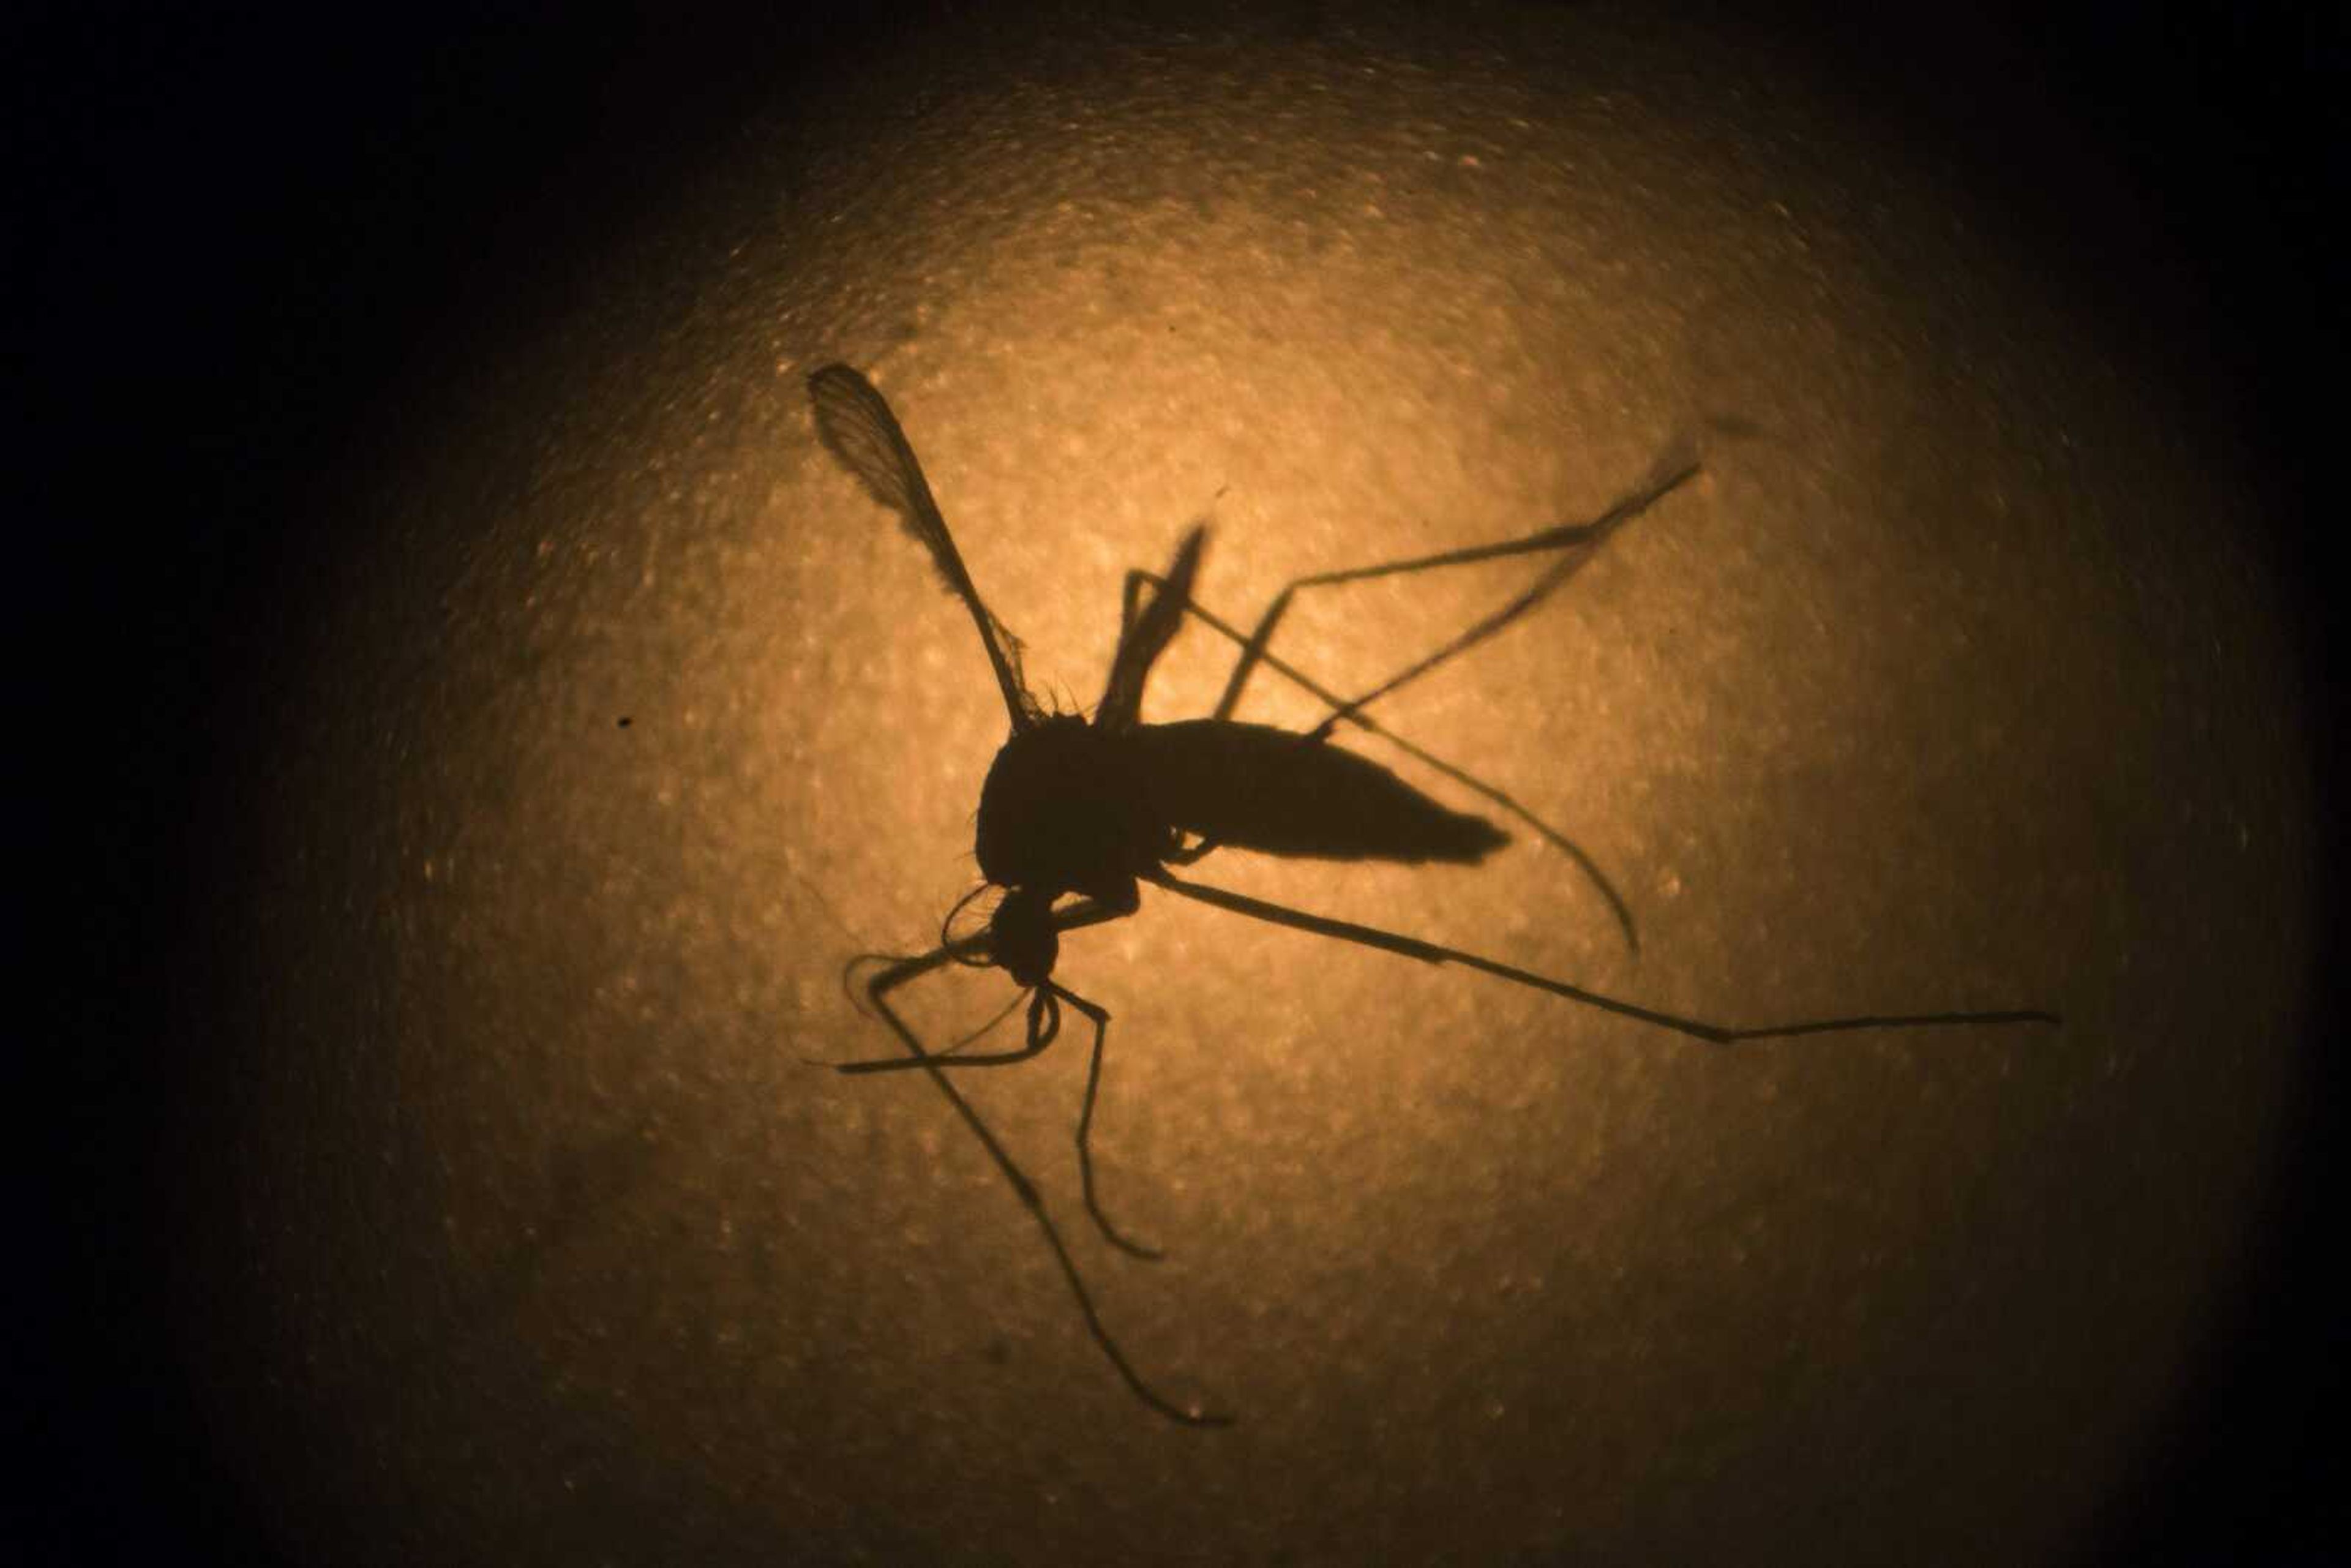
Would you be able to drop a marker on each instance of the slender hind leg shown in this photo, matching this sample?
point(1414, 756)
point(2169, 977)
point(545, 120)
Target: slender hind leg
point(1696, 1029)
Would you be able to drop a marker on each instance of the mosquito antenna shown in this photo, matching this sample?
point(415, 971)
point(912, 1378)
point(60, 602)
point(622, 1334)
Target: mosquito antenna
point(979, 958)
point(984, 1030)
point(856, 425)
point(1100, 1019)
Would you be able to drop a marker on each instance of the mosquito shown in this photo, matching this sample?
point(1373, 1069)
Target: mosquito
point(1076, 813)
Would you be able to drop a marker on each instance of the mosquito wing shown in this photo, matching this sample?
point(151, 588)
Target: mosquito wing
point(857, 427)
point(1140, 647)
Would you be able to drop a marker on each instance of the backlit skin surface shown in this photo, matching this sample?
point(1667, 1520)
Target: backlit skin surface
point(1950, 685)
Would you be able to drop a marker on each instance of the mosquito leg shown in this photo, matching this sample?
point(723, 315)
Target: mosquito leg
point(877, 992)
point(1191, 855)
point(1580, 541)
point(1349, 713)
point(1696, 1029)
point(1100, 1019)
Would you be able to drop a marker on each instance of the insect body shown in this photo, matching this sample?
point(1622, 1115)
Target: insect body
point(1072, 807)
point(1077, 813)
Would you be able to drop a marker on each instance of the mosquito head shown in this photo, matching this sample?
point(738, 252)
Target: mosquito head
point(1022, 935)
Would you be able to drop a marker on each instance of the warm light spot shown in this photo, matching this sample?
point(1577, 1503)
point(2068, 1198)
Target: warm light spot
point(1900, 707)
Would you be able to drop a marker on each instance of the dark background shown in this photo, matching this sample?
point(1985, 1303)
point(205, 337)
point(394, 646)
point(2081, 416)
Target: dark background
point(242, 247)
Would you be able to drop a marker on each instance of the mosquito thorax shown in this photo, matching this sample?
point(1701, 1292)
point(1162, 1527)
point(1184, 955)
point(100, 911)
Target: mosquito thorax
point(1063, 810)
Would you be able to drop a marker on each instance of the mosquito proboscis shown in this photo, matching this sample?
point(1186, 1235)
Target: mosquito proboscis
point(1087, 809)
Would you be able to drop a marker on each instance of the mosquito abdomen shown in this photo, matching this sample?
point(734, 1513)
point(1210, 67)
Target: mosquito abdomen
point(1253, 787)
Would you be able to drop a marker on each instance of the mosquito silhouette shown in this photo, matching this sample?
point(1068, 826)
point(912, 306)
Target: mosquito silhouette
point(1088, 810)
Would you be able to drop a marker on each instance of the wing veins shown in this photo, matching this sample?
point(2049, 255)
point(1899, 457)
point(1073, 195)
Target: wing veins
point(856, 425)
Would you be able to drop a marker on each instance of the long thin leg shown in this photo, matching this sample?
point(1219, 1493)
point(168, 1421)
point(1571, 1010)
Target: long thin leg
point(1696, 1029)
point(1351, 714)
point(1044, 1026)
point(878, 991)
point(1580, 540)
point(1100, 1017)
